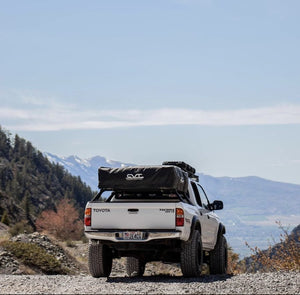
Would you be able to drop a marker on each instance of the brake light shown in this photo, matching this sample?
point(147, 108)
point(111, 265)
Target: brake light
point(179, 217)
point(88, 217)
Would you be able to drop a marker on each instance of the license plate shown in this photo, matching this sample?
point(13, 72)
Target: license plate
point(132, 235)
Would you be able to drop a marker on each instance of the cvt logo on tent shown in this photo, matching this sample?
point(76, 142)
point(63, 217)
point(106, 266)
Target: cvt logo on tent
point(137, 176)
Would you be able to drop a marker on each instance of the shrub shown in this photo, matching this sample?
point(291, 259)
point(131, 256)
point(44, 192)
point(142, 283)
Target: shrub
point(64, 223)
point(235, 266)
point(5, 218)
point(84, 239)
point(70, 244)
point(34, 256)
point(20, 227)
point(282, 256)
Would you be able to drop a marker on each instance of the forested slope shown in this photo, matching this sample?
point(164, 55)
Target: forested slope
point(30, 183)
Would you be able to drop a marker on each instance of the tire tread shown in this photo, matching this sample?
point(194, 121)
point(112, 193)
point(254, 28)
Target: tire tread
point(134, 267)
point(100, 260)
point(189, 256)
point(218, 257)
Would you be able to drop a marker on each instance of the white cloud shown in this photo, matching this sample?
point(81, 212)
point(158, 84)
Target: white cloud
point(54, 116)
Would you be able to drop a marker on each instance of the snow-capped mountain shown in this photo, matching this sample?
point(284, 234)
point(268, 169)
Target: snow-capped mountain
point(251, 204)
point(87, 169)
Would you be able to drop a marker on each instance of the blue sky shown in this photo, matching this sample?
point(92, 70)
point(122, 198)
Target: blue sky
point(214, 83)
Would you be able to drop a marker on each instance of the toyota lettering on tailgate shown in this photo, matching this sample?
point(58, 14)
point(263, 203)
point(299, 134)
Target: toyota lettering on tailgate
point(99, 210)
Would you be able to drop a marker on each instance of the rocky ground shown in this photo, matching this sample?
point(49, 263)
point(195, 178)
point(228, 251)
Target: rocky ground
point(72, 256)
point(259, 283)
point(16, 278)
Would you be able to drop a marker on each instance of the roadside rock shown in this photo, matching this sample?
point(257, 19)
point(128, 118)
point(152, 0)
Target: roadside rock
point(8, 265)
point(47, 244)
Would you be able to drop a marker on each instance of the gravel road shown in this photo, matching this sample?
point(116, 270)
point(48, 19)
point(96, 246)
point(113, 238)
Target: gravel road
point(259, 283)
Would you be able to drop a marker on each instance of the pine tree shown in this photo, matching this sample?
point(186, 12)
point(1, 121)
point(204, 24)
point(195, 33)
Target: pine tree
point(27, 178)
point(27, 210)
point(5, 218)
point(4, 144)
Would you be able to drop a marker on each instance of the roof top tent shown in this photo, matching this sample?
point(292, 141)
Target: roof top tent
point(143, 178)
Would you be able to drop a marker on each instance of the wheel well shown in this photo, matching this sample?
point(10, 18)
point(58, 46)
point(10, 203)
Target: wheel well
point(222, 230)
point(196, 225)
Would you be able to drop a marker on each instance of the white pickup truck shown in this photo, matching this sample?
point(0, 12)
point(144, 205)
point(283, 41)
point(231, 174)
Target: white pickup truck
point(154, 213)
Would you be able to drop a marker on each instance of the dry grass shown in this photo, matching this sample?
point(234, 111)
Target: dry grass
point(282, 256)
point(235, 265)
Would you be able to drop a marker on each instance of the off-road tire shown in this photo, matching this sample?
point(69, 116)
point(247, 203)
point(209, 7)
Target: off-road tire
point(218, 258)
point(135, 267)
point(100, 260)
point(191, 256)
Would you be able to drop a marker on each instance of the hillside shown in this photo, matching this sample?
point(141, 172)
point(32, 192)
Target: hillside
point(251, 204)
point(252, 207)
point(30, 183)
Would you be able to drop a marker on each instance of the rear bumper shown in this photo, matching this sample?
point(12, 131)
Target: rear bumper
point(148, 235)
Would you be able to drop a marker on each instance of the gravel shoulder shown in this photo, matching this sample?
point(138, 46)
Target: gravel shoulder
point(258, 283)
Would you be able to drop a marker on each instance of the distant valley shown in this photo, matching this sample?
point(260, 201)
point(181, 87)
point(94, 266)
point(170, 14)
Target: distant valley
point(251, 204)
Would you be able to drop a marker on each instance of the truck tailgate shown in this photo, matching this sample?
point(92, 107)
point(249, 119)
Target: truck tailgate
point(133, 215)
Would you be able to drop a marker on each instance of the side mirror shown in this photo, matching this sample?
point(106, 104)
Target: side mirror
point(216, 205)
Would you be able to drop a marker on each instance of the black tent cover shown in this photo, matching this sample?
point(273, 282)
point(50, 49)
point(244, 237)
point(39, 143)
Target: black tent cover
point(143, 178)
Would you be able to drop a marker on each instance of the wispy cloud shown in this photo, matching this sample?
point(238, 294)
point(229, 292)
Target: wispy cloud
point(55, 116)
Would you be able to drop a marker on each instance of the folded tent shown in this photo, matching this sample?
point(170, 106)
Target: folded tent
point(143, 178)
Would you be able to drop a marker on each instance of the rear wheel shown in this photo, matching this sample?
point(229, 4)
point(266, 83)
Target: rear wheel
point(100, 259)
point(218, 257)
point(135, 267)
point(192, 256)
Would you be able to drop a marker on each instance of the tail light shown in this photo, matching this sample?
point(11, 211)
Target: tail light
point(88, 217)
point(179, 217)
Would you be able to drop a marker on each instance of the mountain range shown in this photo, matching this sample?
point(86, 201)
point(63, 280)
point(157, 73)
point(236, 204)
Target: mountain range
point(252, 205)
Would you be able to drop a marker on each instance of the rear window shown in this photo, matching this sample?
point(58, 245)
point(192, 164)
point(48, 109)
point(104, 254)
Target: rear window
point(134, 196)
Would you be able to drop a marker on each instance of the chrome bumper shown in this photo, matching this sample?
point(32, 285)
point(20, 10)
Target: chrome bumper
point(150, 235)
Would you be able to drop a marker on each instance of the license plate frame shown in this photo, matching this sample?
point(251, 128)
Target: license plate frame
point(132, 236)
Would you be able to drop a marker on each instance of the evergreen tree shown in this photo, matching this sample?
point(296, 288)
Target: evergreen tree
point(31, 183)
point(27, 210)
point(4, 144)
point(5, 218)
